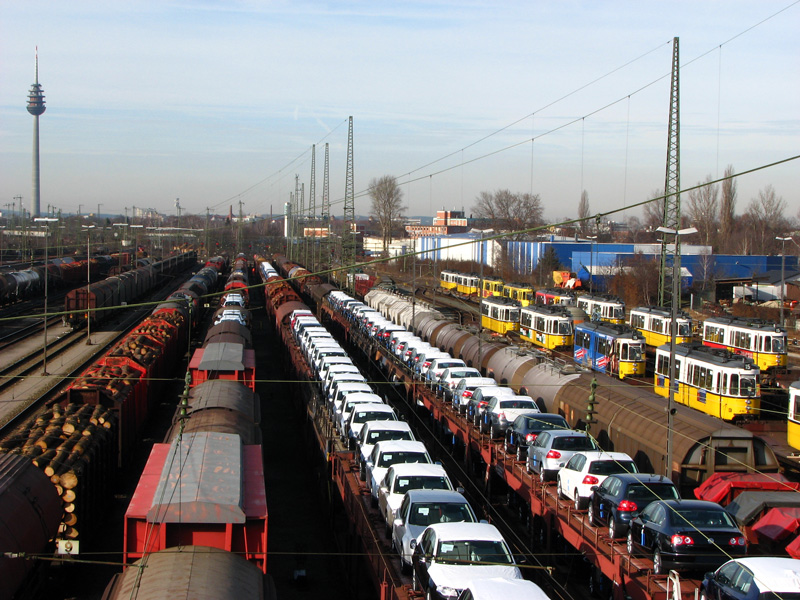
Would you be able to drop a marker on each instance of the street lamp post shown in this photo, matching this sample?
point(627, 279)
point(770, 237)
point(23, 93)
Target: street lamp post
point(783, 241)
point(676, 300)
point(88, 229)
point(46, 221)
point(136, 243)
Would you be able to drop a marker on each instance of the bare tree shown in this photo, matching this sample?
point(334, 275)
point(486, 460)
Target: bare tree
point(508, 211)
point(654, 211)
point(387, 205)
point(583, 214)
point(727, 210)
point(703, 207)
point(765, 218)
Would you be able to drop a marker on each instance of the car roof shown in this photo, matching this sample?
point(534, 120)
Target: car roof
point(435, 496)
point(603, 455)
point(479, 381)
point(400, 446)
point(689, 503)
point(354, 385)
point(373, 406)
point(387, 425)
point(364, 397)
point(495, 588)
point(406, 469)
point(466, 531)
point(642, 478)
point(773, 573)
point(565, 432)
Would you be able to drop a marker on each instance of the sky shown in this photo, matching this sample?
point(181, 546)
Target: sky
point(217, 103)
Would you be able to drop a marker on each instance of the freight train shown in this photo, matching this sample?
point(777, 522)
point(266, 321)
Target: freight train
point(96, 301)
point(628, 418)
point(78, 441)
point(60, 273)
point(213, 454)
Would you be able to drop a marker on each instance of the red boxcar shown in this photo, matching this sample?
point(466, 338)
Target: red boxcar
point(203, 489)
point(224, 360)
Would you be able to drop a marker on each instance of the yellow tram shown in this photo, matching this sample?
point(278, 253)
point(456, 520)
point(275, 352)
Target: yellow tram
point(448, 280)
point(714, 381)
point(603, 307)
point(655, 324)
point(763, 341)
point(549, 327)
point(793, 424)
point(492, 286)
point(519, 292)
point(500, 315)
point(468, 285)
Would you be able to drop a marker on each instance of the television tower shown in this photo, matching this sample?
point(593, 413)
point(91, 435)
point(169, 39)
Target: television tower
point(36, 107)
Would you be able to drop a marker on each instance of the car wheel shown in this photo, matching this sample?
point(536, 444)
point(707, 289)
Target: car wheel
point(630, 542)
point(560, 491)
point(493, 433)
point(703, 595)
point(590, 515)
point(578, 501)
point(612, 527)
point(658, 563)
point(519, 453)
point(505, 445)
point(414, 582)
point(542, 476)
point(428, 595)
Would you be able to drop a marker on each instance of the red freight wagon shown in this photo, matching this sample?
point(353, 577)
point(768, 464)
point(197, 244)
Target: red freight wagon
point(117, 383)
point(202, 489)
point(224, 360)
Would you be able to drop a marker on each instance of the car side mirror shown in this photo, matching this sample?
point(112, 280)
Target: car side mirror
point(460, 489)
point(384, 489)
point(521, 559)
point(709, 576)
point(484, 521)
point(412, 544)
point(398, 522)
point(594, 488)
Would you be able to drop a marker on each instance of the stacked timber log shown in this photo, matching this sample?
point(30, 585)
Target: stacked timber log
point(139, 348)
point(116, 379)
point(62, 442)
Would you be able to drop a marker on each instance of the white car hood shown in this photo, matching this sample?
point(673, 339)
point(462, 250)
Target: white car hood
point(459, 576)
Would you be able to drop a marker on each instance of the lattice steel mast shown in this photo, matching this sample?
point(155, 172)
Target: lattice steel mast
point(349, 235)
point(312, 208)
point(672, 186)
point(326, 209)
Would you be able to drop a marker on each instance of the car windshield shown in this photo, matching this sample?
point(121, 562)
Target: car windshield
point(420, 482)
point(576, 443)
point(430, 513)
point(388, 459)
point(701, 518)
point(645, 493)
point(473, 552)
point(378, 436)
point(612, 467)
point(364, 416)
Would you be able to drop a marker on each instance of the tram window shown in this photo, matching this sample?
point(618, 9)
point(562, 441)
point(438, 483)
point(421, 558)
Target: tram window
point(684, 329)
point(637, 321)
point(748, 387)
point(564, 328)
point(796, 412)
point(658, 325)
point(525, 319)
point(485, 309)
point(708, 383)
point(635, 352)
point(662, 365)
point(723, 388)
point(734, 389)
point(778, 344)
point(743, 339)
point(602, 346)
point(539, 326)
point(513, 315)
point(495, 312)
point(617, 312)
point(714, 334)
